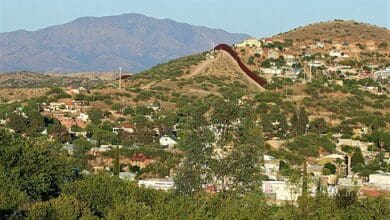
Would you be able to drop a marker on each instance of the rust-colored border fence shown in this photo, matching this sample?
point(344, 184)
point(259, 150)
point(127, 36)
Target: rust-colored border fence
point(232, 53)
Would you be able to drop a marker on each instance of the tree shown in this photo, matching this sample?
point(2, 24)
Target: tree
point(59, 132)
point(128, 111)
point(357, 157)
point(117, 107)
point(64, 207)
point(37, 123)
point(318, 126)
point(266, 123)
point(35, 166)
point(11, 198)
point(194, 171)
point(339, 162)
point(331, 167)
point(99, 192)
point(116, 162)
point(18, 122)
point(95, 115)
point(304, 197)
point(283, 125)
point(345, 198)
point(299, 122)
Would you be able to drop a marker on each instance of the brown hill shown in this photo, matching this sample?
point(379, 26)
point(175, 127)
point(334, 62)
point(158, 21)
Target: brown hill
point(338, 30)
point(26, 79)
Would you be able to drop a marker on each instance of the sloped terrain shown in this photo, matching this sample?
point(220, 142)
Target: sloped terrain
point(338, 30)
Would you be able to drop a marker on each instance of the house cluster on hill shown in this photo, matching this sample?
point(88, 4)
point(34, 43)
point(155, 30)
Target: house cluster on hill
point(271, 57)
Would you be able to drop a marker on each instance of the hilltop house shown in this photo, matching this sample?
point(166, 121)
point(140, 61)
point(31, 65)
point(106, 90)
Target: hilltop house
point(76, 91)
point(251, 42)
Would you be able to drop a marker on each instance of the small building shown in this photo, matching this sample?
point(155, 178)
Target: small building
point(380, 180)
point(76, 91)
point(70, 148)
point(337, 53)
point(98, 150)
point(349, 183)
point(167, 141)
point(316, 63)
point(127, 176)
point(159, 184)
point(320, 45)
point(382, 74)
point(84, 117)
point(251, 42)
point(280, 191)
point(140, 160)
point(123, 127)
point(155, 107)
point(316, 169)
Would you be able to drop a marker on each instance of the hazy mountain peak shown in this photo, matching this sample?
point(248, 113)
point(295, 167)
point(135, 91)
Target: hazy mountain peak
point(133, 41)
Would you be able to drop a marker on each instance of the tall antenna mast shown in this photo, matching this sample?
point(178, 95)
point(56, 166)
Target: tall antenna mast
point(120, 77)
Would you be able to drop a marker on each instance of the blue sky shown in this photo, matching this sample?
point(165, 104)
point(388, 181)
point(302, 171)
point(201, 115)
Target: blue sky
point(255, 17)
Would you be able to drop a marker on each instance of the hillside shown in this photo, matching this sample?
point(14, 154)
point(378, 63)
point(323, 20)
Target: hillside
point(194, 76)
point(338, 31)
point(27, 79)
point(133, 41)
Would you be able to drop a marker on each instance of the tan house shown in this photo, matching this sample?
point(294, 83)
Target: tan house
point(141, 161)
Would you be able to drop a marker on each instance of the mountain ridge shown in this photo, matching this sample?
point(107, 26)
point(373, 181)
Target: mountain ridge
point(133, 41)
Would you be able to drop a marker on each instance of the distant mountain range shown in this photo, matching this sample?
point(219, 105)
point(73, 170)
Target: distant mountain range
point(133, 41)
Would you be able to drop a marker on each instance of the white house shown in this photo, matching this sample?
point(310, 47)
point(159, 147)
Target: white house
point(123, 127)
point(337, 53)
point(127, 176)
point(380, 180)
point(83, 117)
point(272, 71)
point(316, 63)
point(320, 45)
point(280, 190)
point(167, 141)
point(160, 184)
point(252, 42)
point(383, 74)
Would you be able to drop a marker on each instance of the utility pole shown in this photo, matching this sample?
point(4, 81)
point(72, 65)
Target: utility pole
point(120, 77)
point(304, 191)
